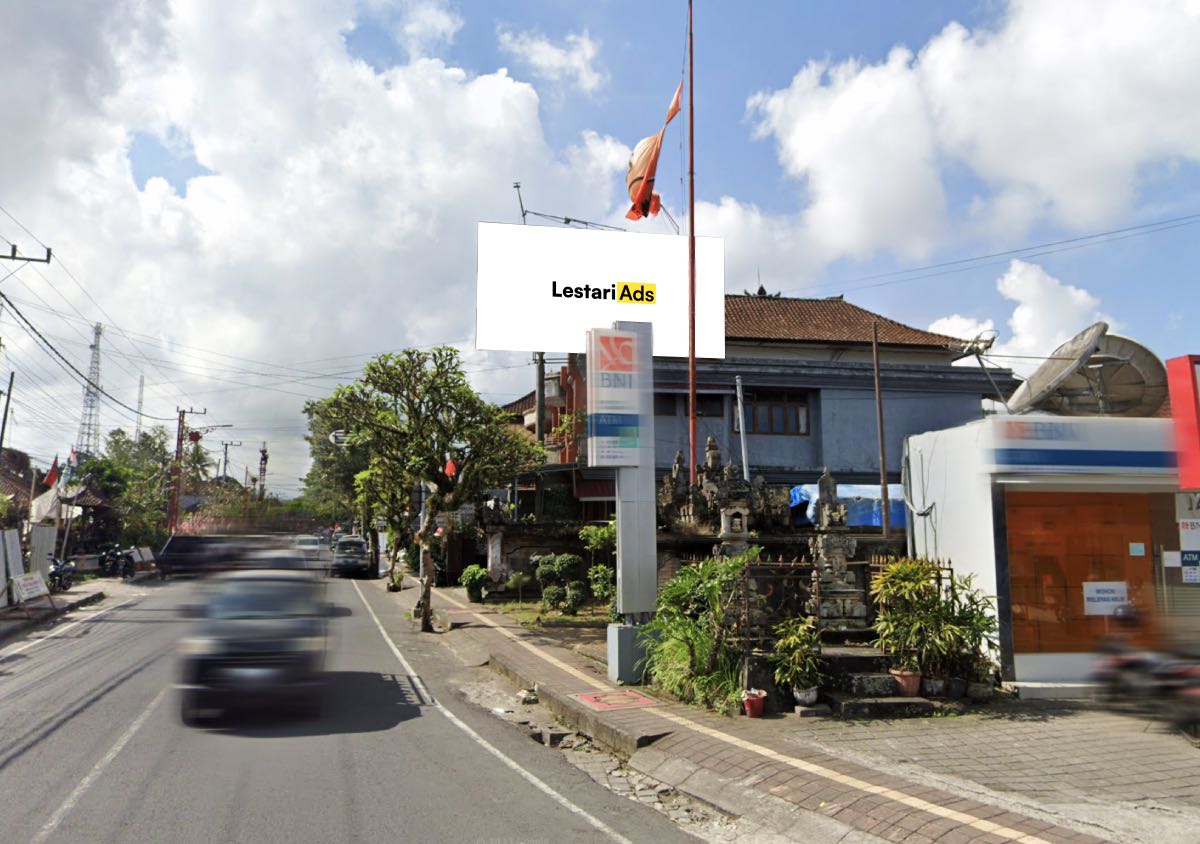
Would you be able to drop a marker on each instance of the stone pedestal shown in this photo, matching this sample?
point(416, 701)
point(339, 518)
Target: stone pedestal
point(843, 604)
point(625, 654)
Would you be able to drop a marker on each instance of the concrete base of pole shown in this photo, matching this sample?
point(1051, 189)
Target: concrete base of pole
point(625, 654)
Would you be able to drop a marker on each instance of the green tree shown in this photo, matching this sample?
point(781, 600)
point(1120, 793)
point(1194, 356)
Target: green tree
point(196, 468)
point(412, 409)
point(134, 476)
point(329, 487)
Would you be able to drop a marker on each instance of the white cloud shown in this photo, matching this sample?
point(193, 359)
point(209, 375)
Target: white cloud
point(338, 217)
point(961, 327)
point(860, 138)
point(573, 61)
point(1059, 110)
point(1047, 313)
point(426, 26)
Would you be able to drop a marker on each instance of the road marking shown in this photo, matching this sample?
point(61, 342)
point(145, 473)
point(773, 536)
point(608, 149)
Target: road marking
point(484, 743)
point(775, 756)
point(97, 770)
point(65, 628)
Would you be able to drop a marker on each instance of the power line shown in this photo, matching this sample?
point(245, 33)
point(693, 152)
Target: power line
point(73, 368)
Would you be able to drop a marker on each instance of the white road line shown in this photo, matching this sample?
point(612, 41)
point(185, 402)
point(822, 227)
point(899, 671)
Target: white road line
point(64, 629)
point(484, 743)
point(800, 764)
point(97, 769)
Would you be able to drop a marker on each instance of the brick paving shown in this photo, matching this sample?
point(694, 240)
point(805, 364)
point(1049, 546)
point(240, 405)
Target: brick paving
point(821, 769)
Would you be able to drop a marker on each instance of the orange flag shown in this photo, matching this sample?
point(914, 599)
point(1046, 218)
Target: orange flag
point(642, 166)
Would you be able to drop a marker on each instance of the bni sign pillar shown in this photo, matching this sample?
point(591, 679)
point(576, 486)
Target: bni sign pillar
point(620, 397)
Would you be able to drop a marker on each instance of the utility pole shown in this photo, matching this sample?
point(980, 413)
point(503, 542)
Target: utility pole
point(177, 469)
point(7, 399)
point(262, 472)
point(883, 484)
point(225, 464)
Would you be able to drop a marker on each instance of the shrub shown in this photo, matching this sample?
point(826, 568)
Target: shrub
point(797, 655)
point(575, 597)
point(603, 581)
point(474, 578)
point(690, 642)
point(553, 596)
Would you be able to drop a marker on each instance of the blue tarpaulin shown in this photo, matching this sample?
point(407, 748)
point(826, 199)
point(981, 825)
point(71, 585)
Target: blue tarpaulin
point(864, 505)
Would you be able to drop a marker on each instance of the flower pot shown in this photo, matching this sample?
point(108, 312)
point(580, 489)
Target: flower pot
point(475, 596)
point(933, 686)
point(980, 692)
point(754, 700)
point(806, 697)
point(956, 687)
point(908, 681)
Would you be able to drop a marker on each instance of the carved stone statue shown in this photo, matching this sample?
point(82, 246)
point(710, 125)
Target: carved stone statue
point(830, 512)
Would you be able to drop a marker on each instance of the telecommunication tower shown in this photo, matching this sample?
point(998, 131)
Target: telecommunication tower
point(88, 442)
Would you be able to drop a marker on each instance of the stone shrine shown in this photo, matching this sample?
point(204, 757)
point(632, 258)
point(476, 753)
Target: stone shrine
point(842, 602)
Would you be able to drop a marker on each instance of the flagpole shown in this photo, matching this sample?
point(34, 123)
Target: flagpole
point(691, 257)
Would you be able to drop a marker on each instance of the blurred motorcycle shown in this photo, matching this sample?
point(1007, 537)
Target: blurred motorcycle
point(61, 574)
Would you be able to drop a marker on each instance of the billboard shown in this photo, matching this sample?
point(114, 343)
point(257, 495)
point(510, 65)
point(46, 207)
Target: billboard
point(1076, 445)
point(540, 288)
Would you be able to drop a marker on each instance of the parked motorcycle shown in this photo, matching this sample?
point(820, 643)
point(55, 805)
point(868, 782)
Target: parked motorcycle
point(116, 561)
point(62, 574)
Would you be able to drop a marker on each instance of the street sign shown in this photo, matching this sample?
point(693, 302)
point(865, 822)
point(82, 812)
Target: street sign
point(337, 438)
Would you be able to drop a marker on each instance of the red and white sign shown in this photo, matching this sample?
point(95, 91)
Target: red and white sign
point(1183, 376)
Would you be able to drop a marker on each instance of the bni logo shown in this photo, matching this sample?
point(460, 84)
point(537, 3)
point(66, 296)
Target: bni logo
point(616, 354)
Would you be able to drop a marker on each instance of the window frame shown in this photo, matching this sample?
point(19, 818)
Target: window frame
point(779, 408)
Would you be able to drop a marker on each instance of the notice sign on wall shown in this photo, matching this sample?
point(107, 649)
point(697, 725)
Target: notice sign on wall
point(1103, 597)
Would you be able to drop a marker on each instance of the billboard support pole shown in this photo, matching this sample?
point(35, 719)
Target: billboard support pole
point(620, 386)
point(691, 260)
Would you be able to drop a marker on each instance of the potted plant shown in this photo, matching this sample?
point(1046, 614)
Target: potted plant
point(473, 579)
point(907, 621)
point(797, 658)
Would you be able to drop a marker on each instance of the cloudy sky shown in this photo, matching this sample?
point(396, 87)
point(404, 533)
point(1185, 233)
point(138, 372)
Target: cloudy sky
point(254, 197)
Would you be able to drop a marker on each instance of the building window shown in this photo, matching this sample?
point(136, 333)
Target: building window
point(709, 405)
point(664, 404)
point(775, 412)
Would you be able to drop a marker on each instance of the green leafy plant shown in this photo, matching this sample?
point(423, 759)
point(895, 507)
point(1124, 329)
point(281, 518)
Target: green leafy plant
point(603, 581)
point(562, 580)
point(797, 654)
point(553, 596)
point(600, 541)
point(908, 598)
point(474, 578)
point(691, 649)
point(518, 580)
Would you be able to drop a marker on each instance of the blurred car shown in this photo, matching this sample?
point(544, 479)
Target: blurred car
point(260, 638)
point(350, 557)
point(205, 554)
point(310, 546)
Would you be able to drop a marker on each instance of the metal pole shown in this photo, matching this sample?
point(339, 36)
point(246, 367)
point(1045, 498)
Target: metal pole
point(883, 483)
point(539, 427)
point(7, 399)
point(741, 411)
point(691, 256)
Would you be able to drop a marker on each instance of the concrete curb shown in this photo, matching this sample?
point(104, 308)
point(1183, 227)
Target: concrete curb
point(25, 625)
point(575, 714)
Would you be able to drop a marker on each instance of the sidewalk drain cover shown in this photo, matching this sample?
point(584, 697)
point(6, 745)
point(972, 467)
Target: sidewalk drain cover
point(617, 699)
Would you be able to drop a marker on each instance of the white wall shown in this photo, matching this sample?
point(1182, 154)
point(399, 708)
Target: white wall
point(948, 475)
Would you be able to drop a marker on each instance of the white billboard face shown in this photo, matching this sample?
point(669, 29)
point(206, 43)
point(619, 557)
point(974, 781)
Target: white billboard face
point(542, 288)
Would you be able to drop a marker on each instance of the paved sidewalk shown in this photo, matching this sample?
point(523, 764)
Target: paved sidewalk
point(782, 772)
point(16, 620)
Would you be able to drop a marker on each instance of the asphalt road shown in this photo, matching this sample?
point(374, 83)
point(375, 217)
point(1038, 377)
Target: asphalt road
point(92, 748)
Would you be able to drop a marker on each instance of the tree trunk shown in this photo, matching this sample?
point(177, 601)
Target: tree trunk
point(427, 577)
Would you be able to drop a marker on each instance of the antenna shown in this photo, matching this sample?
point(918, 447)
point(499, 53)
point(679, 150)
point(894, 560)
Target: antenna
point(88, 441)
point(1095, 374)
point(137, 430)
point(555, 218)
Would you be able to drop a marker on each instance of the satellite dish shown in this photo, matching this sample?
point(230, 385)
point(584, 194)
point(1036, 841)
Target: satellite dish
point(1095, 374)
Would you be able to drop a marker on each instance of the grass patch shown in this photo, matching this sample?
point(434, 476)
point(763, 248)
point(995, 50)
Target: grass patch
point(531, 614)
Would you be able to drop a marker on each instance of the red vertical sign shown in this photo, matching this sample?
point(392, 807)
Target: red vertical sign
point(1182, 375)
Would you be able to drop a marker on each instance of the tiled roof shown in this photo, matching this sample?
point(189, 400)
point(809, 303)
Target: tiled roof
point(519, 406)
point(832, 320)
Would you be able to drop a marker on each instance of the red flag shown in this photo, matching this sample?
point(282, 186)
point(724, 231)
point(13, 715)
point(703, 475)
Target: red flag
point(52, 475)
point(643, 165)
